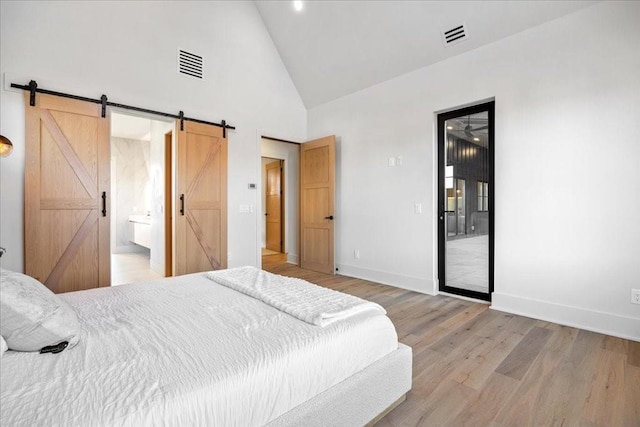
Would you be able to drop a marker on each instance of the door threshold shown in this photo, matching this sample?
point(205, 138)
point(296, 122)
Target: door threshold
point(464, 298)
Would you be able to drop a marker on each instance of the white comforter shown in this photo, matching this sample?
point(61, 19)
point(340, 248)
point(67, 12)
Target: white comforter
point(299, 298)
point(185, 351)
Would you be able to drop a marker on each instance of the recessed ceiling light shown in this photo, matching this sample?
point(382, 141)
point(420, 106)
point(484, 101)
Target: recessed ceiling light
point(450, 127)
point(475, 138)
point(297, 5)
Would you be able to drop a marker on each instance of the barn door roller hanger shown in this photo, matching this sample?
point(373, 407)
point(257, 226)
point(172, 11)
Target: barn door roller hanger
point(32, 87)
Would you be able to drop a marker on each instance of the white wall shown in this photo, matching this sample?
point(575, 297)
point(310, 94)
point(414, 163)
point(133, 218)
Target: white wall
point(127, 50)
point(290, 153)
point(567, 103)
point(263, 189)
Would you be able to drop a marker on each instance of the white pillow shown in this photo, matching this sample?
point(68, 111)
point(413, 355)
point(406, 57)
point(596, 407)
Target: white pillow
point(33, 317)
point(3, 346)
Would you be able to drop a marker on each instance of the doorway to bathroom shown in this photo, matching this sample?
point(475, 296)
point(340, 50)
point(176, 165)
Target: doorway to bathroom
point(140, 188)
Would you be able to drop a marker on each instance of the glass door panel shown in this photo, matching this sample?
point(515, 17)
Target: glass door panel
point(465, 168)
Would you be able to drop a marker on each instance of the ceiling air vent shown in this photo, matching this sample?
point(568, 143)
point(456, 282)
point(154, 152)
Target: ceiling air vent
point(190, 64)
point(454, 35)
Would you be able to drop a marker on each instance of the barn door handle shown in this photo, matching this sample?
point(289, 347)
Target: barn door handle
point(330, 217)
point(104, 203)
point(182, 204)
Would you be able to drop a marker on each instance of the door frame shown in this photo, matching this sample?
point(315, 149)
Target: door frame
point(441, 118)
point(291, 221)
point(169, 167)
point(292, 183)
point(282, 202)
point(168, 203)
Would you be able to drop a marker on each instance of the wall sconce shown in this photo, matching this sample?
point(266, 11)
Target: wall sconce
point(6, 147)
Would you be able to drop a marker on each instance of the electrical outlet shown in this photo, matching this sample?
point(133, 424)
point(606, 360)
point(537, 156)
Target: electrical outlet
point(635, 296)
point(356, 254)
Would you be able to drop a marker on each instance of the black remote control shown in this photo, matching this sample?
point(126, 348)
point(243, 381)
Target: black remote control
point(54, 348)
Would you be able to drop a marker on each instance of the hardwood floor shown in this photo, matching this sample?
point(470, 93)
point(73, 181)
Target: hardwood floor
point(473, 366)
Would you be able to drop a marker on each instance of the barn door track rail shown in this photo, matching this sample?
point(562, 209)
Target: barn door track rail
point(33, 88)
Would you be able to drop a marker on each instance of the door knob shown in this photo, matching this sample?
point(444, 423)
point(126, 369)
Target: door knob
point(330, 217)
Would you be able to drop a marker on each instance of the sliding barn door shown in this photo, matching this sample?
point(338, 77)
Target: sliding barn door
point(66, 194)
point(201, 202)
point(317, 189)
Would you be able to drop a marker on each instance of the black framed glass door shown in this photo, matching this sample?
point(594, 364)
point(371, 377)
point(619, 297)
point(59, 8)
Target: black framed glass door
point(465, 201)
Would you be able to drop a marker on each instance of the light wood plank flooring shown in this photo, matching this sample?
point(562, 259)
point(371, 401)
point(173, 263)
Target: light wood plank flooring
point(473, 366)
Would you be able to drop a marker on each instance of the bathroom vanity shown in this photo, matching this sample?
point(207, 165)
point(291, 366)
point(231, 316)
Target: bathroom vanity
point(140, 230)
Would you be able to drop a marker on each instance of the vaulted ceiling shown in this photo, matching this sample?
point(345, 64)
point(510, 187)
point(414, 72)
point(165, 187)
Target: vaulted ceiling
point(334, 48)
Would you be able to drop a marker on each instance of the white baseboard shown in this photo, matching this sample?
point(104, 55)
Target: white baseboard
point(292, 259)
point(416, 284)
point(595, 321)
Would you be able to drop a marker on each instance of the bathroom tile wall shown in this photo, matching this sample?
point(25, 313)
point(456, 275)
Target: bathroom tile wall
point(132, 190)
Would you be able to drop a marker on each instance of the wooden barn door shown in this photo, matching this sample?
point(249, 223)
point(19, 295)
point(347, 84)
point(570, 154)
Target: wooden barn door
point(201, 202)
point(66, 194)
point(317, 190)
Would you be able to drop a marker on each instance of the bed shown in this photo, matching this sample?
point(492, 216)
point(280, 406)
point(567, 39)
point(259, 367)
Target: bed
point(189, 351)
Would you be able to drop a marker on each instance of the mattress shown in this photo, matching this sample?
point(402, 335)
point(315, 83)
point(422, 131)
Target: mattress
point(185, 351)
